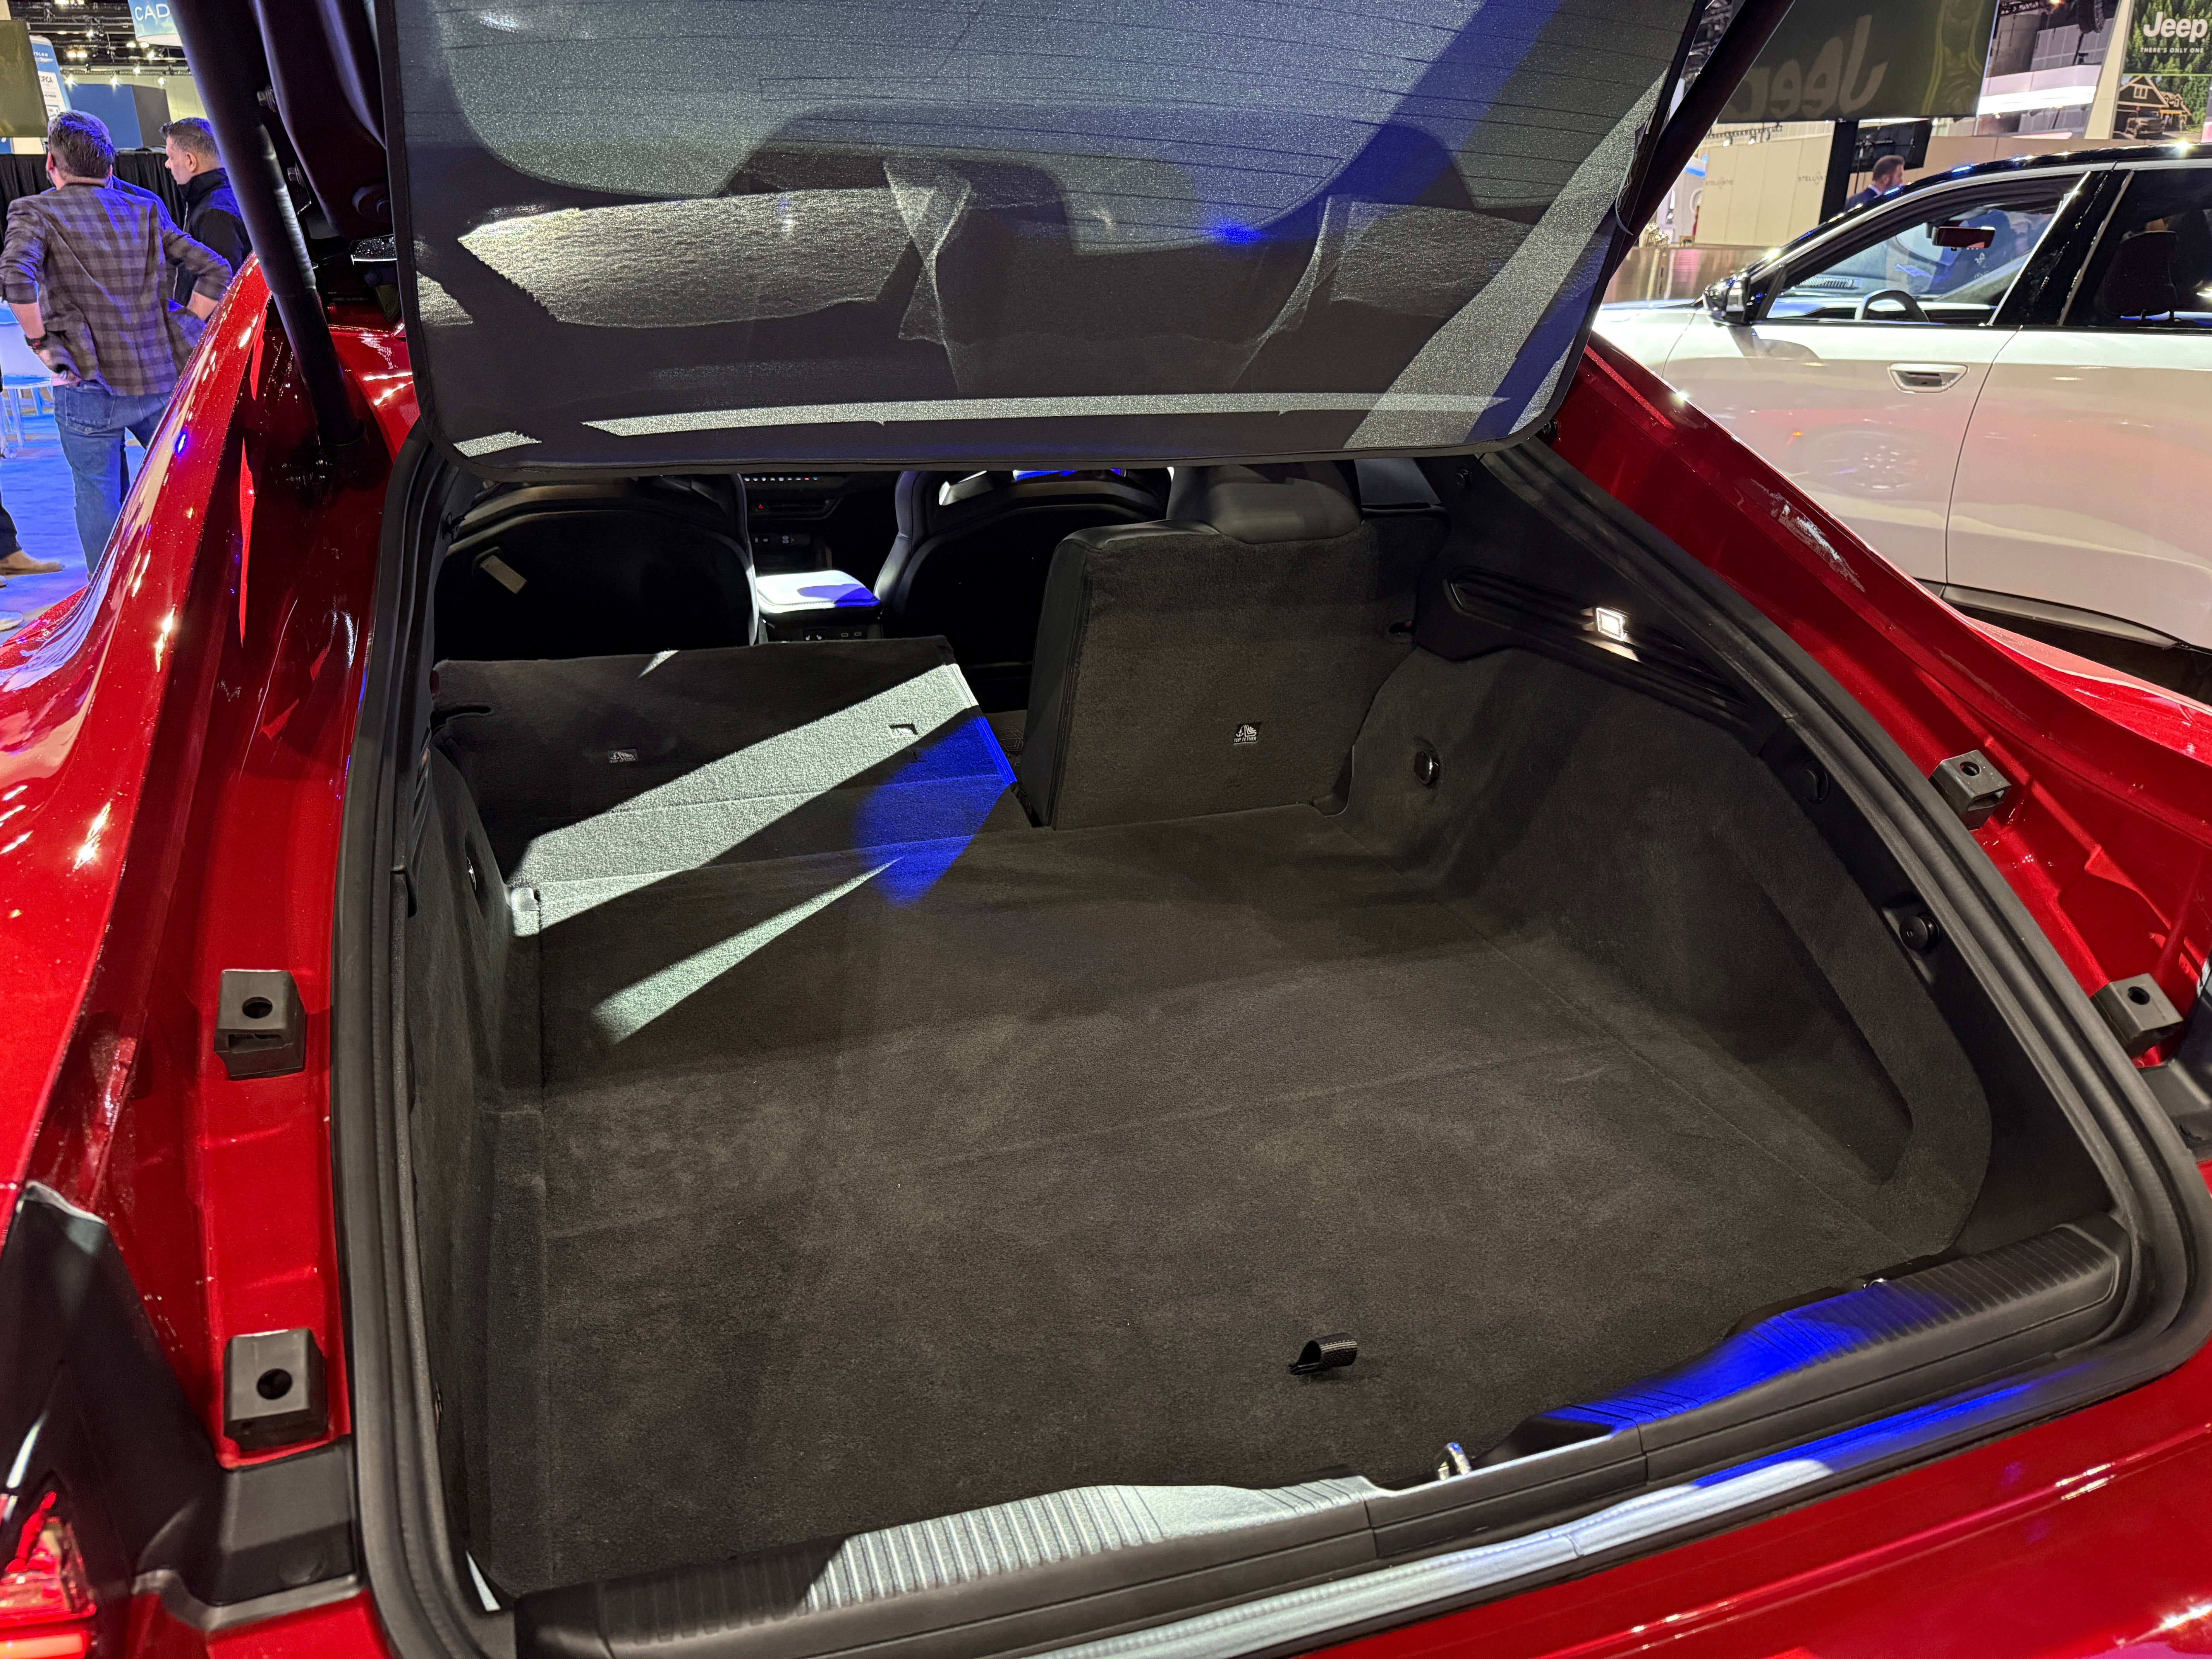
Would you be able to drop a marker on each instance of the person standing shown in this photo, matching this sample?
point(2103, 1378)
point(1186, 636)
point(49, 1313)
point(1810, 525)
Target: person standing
point(211, 214)
point(16, 562)
point(86, 269)
point(1889, 174)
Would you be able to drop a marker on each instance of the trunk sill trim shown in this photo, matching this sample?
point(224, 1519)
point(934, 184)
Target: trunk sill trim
point(1389, 1595)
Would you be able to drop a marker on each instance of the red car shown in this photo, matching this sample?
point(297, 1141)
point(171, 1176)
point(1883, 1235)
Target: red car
point(918, 830)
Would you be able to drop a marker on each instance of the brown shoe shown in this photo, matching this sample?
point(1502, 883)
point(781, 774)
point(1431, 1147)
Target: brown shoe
point(20, 563)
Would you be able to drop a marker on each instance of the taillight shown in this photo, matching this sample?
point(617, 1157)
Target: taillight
point(46, 1604)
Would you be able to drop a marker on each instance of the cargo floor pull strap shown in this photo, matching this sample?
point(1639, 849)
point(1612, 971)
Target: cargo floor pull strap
point(1325, 1353)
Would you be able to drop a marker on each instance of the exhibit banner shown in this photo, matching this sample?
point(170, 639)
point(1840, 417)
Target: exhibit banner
point(2167, 72)
point(50, 89)
point(23, 109)
point(1870, 60)
point(151, 22)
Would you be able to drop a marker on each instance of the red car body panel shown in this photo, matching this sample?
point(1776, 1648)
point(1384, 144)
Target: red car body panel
point(175, 744)
point(343, 1630)
point(172, 755)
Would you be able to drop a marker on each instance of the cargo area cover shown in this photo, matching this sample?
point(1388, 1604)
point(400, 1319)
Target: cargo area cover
point(920, 232)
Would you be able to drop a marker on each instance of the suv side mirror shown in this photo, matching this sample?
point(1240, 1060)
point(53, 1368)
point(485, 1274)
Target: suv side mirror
point(1725, 300)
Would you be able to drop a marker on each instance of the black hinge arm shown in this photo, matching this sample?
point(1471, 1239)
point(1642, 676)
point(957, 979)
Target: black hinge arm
point(215, 35)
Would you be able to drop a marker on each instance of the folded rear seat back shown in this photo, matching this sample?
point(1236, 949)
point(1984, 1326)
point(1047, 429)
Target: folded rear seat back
point(611, 569)
point(1223, 658)
point(973, 556)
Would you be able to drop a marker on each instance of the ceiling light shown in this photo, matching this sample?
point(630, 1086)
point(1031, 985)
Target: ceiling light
point(1610, 624)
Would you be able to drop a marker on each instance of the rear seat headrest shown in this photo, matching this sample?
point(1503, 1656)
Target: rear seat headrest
point(1306, 501)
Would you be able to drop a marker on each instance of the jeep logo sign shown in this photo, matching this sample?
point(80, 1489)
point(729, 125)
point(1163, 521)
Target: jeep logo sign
point(2167, 76)
point(1832, 88)
point(1885, 60)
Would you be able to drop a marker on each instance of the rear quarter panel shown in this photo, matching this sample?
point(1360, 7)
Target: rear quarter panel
point(175, 741)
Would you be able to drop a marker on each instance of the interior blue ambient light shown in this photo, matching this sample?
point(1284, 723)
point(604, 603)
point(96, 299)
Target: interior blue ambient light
point(1868, 1441)
point(925, 814)
point(830, 594)
point(1786, 1342)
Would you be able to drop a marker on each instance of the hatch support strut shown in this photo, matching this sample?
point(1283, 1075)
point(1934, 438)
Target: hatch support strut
point(217, 42)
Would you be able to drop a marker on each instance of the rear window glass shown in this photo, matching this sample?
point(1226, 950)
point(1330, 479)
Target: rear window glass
point(2151, 268)
point(685, 230)
point(1956, 260)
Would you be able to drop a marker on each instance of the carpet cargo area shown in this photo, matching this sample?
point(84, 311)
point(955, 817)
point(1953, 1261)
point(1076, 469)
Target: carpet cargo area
point(804, 1147)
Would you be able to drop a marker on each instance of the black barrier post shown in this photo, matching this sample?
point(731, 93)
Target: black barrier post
point(1843, 151)
point(1755, 23)
point(214, 34)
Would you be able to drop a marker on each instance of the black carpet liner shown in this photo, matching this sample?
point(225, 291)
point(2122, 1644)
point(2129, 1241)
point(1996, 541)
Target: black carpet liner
point(1040, 1178)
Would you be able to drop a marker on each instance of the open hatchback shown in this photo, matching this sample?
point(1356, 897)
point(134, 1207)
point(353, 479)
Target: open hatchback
point(1011, 776)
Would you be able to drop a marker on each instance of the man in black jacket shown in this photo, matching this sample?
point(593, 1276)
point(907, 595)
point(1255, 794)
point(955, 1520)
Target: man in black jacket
point(211, 216)
point(1888, 175)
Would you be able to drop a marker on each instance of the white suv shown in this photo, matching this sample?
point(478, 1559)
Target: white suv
point(1997, 378)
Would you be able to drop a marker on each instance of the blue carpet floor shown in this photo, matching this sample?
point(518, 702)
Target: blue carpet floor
point(35, 487)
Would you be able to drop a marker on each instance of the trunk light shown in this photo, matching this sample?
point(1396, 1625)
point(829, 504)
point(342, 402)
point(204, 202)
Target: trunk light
point(1610, 624)
point(46, 1604)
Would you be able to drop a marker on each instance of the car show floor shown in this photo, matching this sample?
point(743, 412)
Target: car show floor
point(38, 490)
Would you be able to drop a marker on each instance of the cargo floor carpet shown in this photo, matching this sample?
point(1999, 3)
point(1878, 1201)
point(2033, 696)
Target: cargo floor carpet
point(873, 1192)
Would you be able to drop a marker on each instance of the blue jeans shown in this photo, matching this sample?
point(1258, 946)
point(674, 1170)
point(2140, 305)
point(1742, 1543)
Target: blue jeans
point(91, 421)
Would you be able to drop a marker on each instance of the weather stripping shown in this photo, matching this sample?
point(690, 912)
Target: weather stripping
point(1032, 409)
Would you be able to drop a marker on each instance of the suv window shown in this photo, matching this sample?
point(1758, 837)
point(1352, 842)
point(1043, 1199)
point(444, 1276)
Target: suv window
point(2153, 266)
point(1955, 258)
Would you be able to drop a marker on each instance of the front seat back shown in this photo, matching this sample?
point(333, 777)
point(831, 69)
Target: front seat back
point(1223, 659)
point(2139, 281)
point(972, 555)
point(637, 565)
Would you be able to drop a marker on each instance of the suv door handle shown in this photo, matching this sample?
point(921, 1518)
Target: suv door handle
point(1926, 377)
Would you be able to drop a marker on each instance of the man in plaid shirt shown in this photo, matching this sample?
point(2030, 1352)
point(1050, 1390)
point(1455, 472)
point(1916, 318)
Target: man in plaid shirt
point(86, 269)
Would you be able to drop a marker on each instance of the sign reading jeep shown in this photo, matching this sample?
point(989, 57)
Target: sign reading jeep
point(1854, 60)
